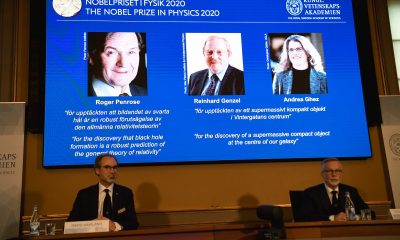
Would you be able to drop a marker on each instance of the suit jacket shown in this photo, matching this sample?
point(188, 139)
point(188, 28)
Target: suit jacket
point(318, 205)
point(282, 82)
point(136, 90)
point(232, 82)
point(87, 202)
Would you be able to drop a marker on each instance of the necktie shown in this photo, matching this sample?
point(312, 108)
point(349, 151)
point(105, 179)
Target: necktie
point(211, 88)
point(107, 207)
point(335, 202)
point(124, 95)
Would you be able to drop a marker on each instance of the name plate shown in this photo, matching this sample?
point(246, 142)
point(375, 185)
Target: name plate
point(395, 213)
point(86, 226)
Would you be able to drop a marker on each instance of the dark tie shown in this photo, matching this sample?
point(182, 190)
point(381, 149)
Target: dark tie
point(335, 202)
point(211, 88)
point(124, 95)
point(107, 207)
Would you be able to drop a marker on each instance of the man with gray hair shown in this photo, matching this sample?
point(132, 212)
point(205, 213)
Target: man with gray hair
point(220, 78)
point(326, 201)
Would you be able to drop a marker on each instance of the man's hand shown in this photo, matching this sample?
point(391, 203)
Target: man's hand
point(340, 217)
point(111, 225)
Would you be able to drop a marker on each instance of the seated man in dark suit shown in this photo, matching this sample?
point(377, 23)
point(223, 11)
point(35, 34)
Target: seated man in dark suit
point(219, 78)
point(106, 200)
point(326, 201)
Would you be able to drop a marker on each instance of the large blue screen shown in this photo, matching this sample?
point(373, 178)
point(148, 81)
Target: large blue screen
point(264, 112)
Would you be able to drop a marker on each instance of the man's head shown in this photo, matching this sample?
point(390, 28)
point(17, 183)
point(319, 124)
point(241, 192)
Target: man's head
point(105, 167)
point(115, 56)
point(217, 52)
point(331, 172)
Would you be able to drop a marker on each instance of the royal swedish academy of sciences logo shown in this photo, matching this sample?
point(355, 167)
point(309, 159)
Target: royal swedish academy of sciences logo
point(294, 7)
point(394, 143)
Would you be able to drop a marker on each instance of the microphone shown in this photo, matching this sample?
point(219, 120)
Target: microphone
point(273, 214)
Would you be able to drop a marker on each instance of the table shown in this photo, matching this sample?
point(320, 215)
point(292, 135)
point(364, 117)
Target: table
point(192, 232)
point(383, 229)
point(326, 229)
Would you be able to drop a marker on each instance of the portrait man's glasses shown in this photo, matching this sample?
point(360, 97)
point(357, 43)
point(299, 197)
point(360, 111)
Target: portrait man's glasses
point(210, 52)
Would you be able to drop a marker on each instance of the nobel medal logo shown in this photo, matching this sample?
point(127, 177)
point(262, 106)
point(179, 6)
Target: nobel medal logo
point(67, 8)
point(294, 7)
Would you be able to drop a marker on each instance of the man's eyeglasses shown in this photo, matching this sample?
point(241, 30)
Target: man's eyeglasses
point(108, 167)
point(333, 171)
point(211, 52)
point(299, 49)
